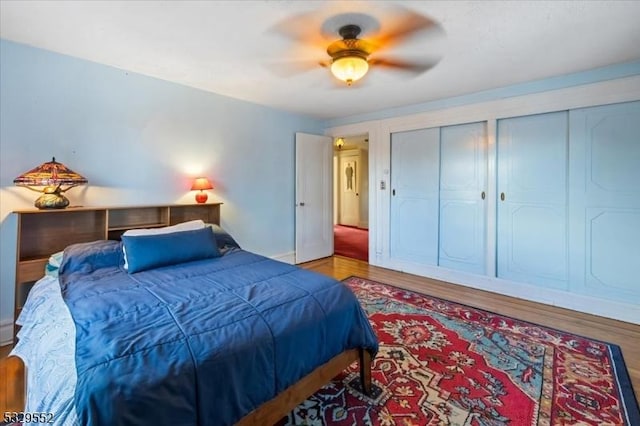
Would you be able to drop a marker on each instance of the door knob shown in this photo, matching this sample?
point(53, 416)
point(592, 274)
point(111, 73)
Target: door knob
point(482, 195)
point(301, 204)
point(502, 196)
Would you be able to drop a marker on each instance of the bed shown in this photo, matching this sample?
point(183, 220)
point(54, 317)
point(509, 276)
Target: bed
point(214, 335)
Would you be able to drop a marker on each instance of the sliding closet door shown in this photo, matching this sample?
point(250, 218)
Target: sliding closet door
point(415, 158)
point(463, 179)
point(532, 204)
point(605, 206)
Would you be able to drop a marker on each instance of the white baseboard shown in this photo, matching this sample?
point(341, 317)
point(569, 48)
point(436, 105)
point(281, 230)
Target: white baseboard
point(577, 302)
point(6, 332)
point(286, 257)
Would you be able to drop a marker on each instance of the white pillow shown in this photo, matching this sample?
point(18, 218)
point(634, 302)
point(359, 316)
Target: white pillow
point(184, 226)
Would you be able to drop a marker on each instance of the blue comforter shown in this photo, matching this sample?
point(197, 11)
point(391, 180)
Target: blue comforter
point(203, 342)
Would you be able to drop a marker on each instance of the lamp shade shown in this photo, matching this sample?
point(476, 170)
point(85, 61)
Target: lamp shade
point(349, 68)
point(51, 176)
point(201, 183)
point(51, 173)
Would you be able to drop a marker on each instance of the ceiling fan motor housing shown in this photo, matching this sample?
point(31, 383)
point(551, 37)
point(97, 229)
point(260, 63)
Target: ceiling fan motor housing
point(349, 31)
point(350, 45)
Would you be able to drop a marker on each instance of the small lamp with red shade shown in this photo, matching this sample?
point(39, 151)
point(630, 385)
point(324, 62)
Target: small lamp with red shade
point(201, 184)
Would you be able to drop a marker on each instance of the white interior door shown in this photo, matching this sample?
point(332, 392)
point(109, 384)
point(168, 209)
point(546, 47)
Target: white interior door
point(349, 178)
point(314, 226)
point(415, 169)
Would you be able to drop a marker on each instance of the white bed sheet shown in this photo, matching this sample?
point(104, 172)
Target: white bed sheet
point(46, 345)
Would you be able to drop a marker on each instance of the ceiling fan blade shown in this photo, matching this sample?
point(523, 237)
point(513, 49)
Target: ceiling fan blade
point(290, 68)
point(401, 24)
point(303, 29)
point(413, 67)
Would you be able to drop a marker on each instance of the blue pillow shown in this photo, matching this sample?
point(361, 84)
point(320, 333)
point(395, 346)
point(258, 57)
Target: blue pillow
point(87, 257)
point(152, 251)
point(224, 240)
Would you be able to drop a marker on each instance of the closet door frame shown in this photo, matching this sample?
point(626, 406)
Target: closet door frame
point(473, 109)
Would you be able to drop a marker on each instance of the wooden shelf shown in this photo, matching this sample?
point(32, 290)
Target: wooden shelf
point(30, 270)
point(142, 225)
point(44, 232)
point(144, 217)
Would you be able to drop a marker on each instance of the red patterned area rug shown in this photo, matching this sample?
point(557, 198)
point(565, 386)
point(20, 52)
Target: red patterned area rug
point(443, 363)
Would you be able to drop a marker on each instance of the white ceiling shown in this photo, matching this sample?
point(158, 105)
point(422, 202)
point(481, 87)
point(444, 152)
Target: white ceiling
point(231, 47)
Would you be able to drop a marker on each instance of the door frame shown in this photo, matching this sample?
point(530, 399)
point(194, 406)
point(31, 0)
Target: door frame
point(373, 209)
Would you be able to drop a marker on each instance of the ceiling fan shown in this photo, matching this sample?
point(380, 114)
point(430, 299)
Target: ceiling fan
point(351, 57)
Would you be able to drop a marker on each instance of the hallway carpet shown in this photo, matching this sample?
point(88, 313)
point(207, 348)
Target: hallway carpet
point(351, 242)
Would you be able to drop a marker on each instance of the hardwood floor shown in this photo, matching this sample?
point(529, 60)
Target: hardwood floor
point(626, 335)
point(11, 382)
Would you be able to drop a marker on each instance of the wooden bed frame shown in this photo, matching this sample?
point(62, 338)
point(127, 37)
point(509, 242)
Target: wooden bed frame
point(272, 411)
point(88, 224)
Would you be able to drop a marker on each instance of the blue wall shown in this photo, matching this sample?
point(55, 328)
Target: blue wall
point(139, 140)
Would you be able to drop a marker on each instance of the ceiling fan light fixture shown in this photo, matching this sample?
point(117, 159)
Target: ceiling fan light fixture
point(349, 68)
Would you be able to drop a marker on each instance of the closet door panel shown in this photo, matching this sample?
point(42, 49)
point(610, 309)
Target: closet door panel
point(613, 249)
point(463, 177)
point(537, 243)
point(605, 208)
point(532, 204)
point(415, 159)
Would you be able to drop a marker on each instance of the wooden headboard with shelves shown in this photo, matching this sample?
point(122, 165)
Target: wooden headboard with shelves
point(44, 232)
